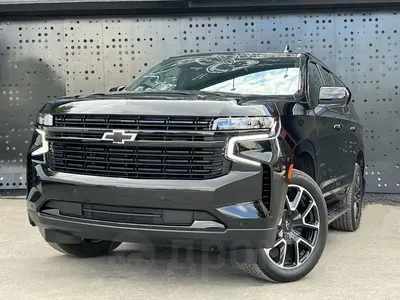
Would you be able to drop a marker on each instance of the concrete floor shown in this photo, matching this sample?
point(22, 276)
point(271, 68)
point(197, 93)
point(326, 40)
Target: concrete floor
point(360, 265)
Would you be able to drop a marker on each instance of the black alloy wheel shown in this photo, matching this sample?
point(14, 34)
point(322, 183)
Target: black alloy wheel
point(298, 230)
point(301, 234)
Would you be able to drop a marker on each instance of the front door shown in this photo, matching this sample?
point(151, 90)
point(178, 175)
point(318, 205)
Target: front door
point(331, 160)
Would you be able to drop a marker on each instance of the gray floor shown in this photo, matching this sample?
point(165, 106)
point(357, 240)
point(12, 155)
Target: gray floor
point(361, 265)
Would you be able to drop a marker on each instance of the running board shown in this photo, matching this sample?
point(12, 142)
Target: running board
point(336, 210)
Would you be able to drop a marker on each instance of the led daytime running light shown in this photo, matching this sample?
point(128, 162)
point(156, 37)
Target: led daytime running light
point(272, 135)
point(45, 144)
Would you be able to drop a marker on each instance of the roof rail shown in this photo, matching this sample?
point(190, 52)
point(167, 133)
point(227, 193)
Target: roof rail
point(287, 50)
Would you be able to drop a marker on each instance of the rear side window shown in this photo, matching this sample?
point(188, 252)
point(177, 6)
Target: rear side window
point(314, 83)
point(337, 81)
point(328, 78)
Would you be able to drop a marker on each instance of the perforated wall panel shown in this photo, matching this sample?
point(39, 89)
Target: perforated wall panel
point(40, 60)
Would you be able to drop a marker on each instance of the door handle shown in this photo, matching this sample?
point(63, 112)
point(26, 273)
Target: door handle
point(353, 128)
point(338, 126)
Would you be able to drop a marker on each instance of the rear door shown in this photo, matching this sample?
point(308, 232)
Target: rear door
point(353, 133)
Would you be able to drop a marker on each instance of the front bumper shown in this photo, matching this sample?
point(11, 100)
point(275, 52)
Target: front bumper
point(225, 212)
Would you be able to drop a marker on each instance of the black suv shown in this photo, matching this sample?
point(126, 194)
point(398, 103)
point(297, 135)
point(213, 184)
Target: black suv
point(252, 154)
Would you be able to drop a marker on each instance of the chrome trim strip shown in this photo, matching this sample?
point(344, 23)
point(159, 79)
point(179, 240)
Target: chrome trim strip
point(328, 182)
point(75, 139)
point(336, 190)
point(207, 225)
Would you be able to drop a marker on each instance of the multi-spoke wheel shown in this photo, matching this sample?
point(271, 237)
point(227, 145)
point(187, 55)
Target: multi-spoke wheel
point(354, 198)
point(298, 230)
point(357, 205)
point(301, 235)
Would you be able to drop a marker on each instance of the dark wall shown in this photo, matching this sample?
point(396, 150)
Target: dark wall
point(91, 7)
point(44, 58)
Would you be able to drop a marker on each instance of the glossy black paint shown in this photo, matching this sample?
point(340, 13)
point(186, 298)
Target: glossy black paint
point(167, 103)
point(326, 138)
point(199, 195)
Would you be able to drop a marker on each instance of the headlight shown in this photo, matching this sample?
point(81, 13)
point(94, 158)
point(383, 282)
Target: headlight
point(256, 148)
point(45, 119)
point(243, 123)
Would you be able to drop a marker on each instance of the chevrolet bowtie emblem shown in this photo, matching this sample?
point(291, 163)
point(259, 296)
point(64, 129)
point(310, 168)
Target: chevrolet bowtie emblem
point(119, 136)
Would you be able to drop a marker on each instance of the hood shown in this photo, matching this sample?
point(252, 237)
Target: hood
point(178, 103)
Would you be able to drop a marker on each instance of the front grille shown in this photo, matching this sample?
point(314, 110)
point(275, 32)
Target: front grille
point(142, 136)
point(166, 147)
point(138, 161)
point(266, 187)
point(122, 214)
point(128, 122)
point(77, 135)
point(125, 214)
point(30, 175)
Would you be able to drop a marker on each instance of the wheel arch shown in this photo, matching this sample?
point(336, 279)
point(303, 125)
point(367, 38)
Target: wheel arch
point(360, 160)
point(304, 153)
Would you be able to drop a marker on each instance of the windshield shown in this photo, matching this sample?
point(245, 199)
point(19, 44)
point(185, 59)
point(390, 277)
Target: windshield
point(259, 74)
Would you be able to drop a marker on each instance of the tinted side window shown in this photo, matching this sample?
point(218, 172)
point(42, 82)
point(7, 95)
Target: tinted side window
point(328, 78)
point(337, 81)
point(314, 83)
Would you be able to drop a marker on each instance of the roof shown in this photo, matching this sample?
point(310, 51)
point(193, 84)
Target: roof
point(252, 54)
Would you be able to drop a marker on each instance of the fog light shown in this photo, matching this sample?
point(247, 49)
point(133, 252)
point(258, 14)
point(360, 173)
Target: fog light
point(247, 210)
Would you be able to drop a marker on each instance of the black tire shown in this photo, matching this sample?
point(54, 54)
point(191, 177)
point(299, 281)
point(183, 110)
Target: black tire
point(85, 249)
point(350, 221)
point(305, 164)
point(265, 269)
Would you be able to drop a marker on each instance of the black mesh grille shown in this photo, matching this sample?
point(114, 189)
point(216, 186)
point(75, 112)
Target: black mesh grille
point(125, 214)
point(135, 122)
point(30, 174)
point(122, 214)
point(81, 135)
point(266, 190)
point(138, 162)
point(165, 136)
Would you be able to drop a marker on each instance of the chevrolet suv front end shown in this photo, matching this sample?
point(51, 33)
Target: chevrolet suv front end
point(214, 151)
point(118, 176)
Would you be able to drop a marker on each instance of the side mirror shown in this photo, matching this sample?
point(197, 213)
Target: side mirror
point(118, 88)
point(337, 96)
